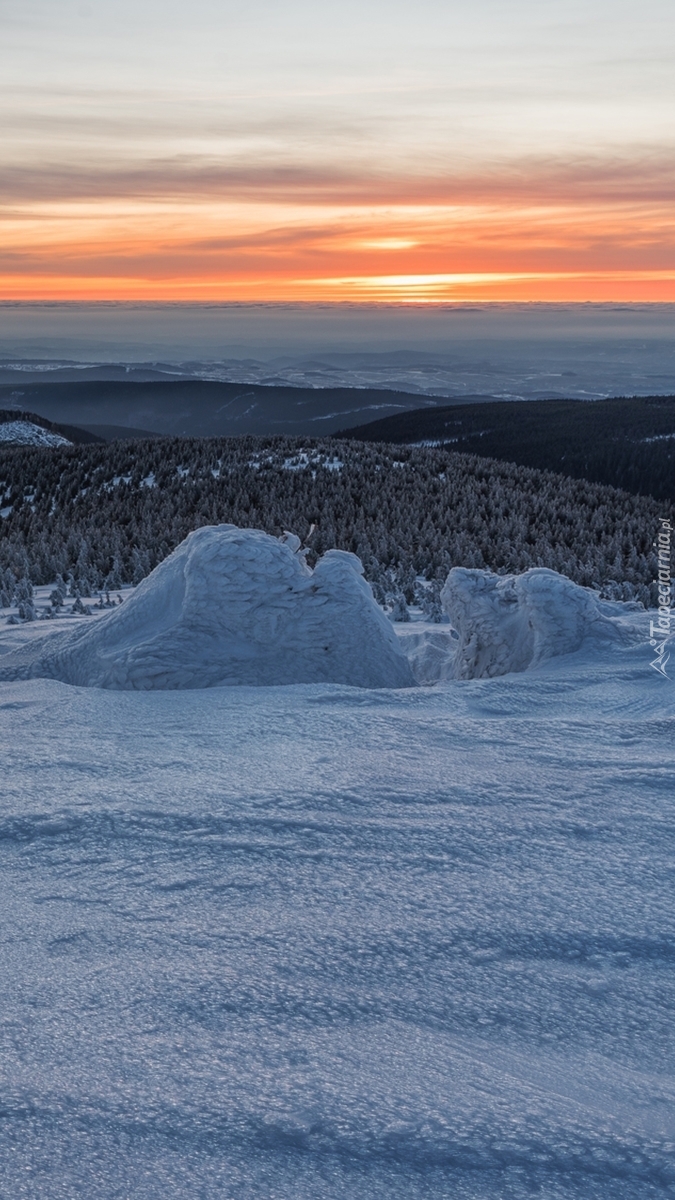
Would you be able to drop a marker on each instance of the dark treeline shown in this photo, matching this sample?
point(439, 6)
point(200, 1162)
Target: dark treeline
point(628, 443)
point(107, 514)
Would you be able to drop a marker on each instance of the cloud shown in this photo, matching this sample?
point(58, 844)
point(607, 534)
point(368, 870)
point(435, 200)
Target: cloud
point(644, 176)
point(192, 225)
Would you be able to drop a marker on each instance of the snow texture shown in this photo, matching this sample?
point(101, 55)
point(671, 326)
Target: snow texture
point(26, 433)
point(231, 606)
point(516, 622)
point(326, 943)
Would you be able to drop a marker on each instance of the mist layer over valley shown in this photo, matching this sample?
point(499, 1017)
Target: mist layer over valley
point(504, 351)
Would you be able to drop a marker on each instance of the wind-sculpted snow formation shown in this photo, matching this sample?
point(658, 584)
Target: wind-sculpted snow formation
point(231, 606)
point(516, 622)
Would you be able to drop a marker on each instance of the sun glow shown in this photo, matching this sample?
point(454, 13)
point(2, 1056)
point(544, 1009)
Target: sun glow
point(310, 249)
point(391, 243)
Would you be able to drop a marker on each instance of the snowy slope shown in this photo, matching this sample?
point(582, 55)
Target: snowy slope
point(26, 433)
point(317, 943)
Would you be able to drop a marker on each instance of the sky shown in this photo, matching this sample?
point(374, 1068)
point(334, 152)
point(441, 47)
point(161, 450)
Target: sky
point(371, 151)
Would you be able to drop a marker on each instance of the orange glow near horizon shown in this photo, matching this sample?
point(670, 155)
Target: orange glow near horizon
point(267, 250)
point(612, 287)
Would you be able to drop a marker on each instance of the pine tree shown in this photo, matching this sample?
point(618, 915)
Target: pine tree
point(399, 611)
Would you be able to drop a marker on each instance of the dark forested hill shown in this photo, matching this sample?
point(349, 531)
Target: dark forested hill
point(629, 443)
point(205, 408)
point(107, 514)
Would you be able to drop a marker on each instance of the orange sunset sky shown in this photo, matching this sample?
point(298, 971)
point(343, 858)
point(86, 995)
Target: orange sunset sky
point(373, 151)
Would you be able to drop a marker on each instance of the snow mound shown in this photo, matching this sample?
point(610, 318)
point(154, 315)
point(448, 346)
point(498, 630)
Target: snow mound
point(25, 433)
point(231, 606)
point(515, 622)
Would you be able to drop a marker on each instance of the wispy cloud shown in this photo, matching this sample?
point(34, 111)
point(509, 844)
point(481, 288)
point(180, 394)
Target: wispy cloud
point(643, 175)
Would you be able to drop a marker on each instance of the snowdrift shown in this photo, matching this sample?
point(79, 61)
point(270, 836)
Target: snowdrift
point(515, 622)
point(231, 606)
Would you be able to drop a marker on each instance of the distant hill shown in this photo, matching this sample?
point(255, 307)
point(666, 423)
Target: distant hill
point(204, 408)
point(628, 442)
point(40, 371)
point(113, 433)
point(19, 428)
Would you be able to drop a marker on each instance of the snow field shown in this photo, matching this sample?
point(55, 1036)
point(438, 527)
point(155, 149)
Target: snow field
point(316, 942)
point(323, 942)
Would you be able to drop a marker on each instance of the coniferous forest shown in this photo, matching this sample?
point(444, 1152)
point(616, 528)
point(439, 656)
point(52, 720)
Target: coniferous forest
point(626, 442)
point(105, 515)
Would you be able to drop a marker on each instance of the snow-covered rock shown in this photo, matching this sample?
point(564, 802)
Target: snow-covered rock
point(231, 606)
point(26, 433)
point(515, 622)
